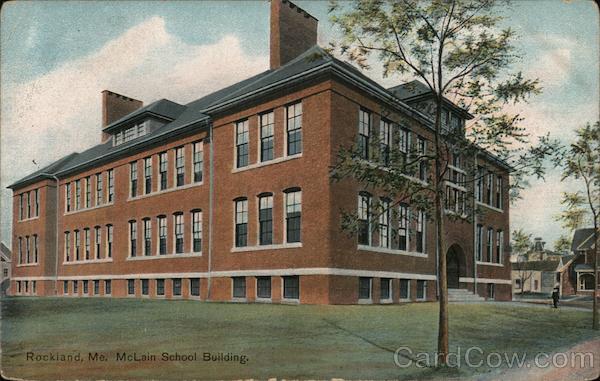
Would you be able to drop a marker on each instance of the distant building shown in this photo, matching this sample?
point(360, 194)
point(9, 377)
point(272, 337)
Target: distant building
point(576, 273)
point(535, 276)
point(5, 257)
point(537, 252)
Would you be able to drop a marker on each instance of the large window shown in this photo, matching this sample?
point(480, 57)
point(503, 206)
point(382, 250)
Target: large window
point(267, 124)
point(384, 223)
point(364, 288)
point(160, 287)
point(147, 237)
point(99, 189)
point(294, 128)
point(36, 203)
point(384, 142)
point(291, 287)
point(403, 227)
point(404, 143)
point(20, 250)
point(133, 179)
point(422, 151)
point(364, 219)
point(385, 289)
point(179, 166)
point(27, 249)
point(178, 233)
point(176, 286)
point(490, 244)
point(107, 287)
point(163, 163)
point(111, 185)
point(67, 246)
point(88, 192)
point(67, 197)
point(404, 289)
point(75, 288)
point(109, 241)
point(479, 243)
point(147, 175)
point(35, 248)
point(145, 284)
point(77, 194)
point(489, 187)
point(198, 161)
point(195, 286)
point(196, 231)
point(421, 290)
point(241, 222)
point(241, 144)
point(265, 219)
point(293, 215)
point(162, 235)
point(499, 192)
point(364, 132)
point(96, 287)
point(130, 286)
point(239, 287)
point(77, 245)
point(132, 238)
point(499, 246)
point(21, 206)
point(28, 199)
point(85, 284)
point(97, 242)
point(263, 287)
point(421, 236)
point(65, 287)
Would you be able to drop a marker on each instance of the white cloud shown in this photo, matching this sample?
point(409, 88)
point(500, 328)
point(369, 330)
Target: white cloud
point(58, 113)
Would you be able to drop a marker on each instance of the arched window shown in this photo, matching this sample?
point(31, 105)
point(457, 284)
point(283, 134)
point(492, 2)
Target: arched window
point(586, 282)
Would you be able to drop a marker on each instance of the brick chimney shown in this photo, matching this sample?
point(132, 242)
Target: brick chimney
point(293, 31)
point(114, 107)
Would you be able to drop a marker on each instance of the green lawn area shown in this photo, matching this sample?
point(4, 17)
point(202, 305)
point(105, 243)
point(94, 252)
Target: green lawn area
point(280, 341)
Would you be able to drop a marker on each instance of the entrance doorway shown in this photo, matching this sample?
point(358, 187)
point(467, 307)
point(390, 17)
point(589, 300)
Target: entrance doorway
point(454, 266)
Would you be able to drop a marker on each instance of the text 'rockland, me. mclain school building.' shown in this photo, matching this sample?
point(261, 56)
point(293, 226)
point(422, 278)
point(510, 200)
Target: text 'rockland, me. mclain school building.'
point(229, 197)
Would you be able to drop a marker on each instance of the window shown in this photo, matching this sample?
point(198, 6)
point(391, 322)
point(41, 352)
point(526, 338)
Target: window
point(198, 161)
point(85, 286)
point(266, 136)
point(491, 292)
point(384, 223)
point(96, 287)
point(75, 289)
point(499, 192)
point(178, 233)
point(195, 286)
point(241, 223)
point(241, 144)
point(132, 238)
point(88, 192)
point(35, 248)
point(99, 192)
point(145, 283)
point(294, 128)
point(263, 287)
point(499, 246)
point(403, 227)
point(68, 197)
point(364, 219)
point(386, 289)
point(179, 166)
point(586, 281)
point(130, 286)
point(86, 238)
point(177, 287)
point(18, 287)
point(109, 240)
point(21, 207)
point(133, 178)
point(163, 163)
point(162, 235)
point(490, 244)
point(291, 287)
point(479, 243)
point(77, 194)
point(111, 185)
point(479, 191)
point(147, 237)
point(364, 288)
point(489, 186)
point(130, 133)
point(196, 231)
point(293, 216)
point(239, 287)
point(36, 203)
point(33, 284)
point(265, 220)
point(27, 250)
point(422, 151)
point(404, 143)
point(421, 290)
point(404, 289)
point(97, 241)
point(107, 287)
point(67, 246)
point(364, 130)
point(28, 199)
point(160, 287)
point(77, 245)
point(20, 250)
point(421, 236)
point(147, 175)
point(65, 287)
point(384, 142)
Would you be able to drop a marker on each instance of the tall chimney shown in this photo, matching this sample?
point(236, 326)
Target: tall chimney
point(293, 31)
point(114, 107)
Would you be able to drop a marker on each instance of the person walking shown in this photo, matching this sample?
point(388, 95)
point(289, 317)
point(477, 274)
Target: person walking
point(555, 297)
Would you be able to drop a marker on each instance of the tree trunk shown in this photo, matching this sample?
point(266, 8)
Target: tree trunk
point(595, 297)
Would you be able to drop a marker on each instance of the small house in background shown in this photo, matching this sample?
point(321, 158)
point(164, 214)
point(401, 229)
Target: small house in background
point(576, 272)
point(534, 276)
point(5, 256)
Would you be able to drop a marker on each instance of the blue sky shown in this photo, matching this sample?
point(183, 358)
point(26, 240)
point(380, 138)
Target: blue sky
point(58, 56)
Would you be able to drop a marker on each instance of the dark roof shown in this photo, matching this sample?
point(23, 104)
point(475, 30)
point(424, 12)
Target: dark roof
point(410, 89)
point(583, 267)
point(49, 169)
point(582, 239)
point(5, 250)
point(162, 108)
point(546, 265)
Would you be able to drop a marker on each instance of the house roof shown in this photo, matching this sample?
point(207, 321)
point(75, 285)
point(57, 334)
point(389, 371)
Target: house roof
point(5, 251)
point(583, 239)
point(162, 108)
point(546, 265)
point(583, 267)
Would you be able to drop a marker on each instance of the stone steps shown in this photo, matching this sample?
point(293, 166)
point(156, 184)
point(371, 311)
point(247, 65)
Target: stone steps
point(463, 296)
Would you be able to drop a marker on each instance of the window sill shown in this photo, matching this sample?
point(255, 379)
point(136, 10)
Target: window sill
point(490, 264)
point(168, 190)
point(88, 209)
point(266, 163)
point(91, 261)
point(365, 301)
point(239, 300)
point(386, 301)
point(479, 203)
point(28, 264)
point(407, 300)
point(267, 247)
point(264, 300)
point(29, 219)
point(157, 256)
point(454, 185)
point(290, 301)
point(384, 250)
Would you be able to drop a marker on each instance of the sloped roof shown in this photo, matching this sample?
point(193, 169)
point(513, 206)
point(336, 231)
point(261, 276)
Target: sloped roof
point(546, 265)
point(410, 89)
point(163, 107)
point(583, 239)
point(5, 250)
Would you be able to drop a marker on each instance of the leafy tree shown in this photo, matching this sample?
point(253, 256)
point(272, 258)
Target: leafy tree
point(459, 51)
point(581, 162)
point(521, 245)
point(562, 244)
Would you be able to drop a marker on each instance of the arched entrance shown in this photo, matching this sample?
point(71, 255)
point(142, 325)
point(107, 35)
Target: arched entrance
point(455, 265)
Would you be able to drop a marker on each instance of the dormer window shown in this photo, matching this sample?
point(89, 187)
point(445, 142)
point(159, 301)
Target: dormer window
point(130, 133)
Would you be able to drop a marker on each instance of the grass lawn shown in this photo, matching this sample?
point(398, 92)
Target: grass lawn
point(280, 341)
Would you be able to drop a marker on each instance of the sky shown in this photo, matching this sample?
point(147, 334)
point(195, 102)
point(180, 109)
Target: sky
point(56, 57)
